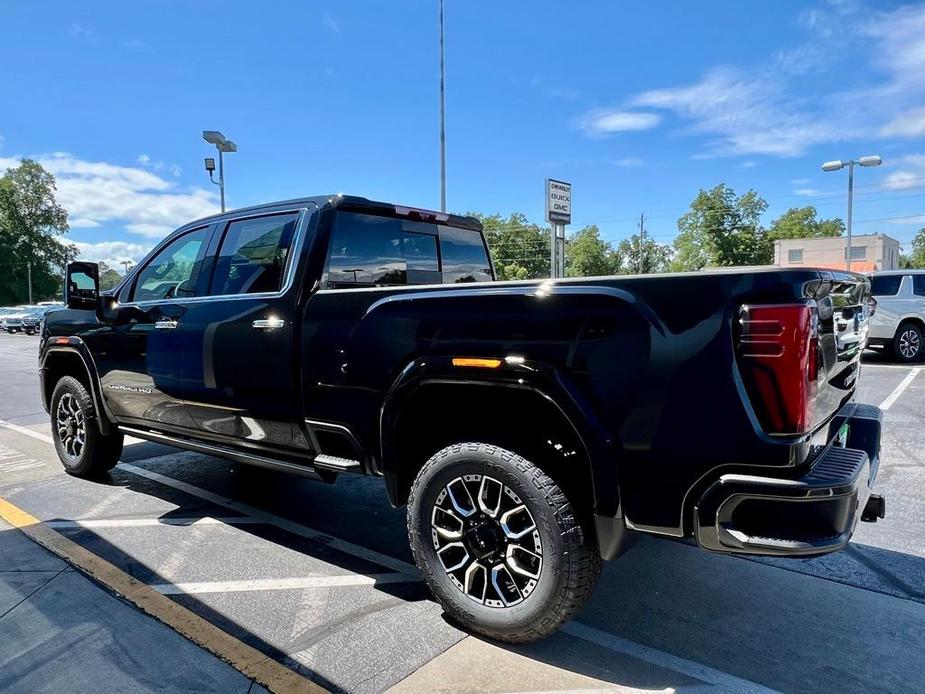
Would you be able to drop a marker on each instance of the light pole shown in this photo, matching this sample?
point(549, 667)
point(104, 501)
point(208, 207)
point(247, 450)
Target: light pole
point(214, 137)
point(442, 120)
point(873, 160)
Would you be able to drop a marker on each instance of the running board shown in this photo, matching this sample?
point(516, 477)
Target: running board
point(228, 454)
point(336, 464)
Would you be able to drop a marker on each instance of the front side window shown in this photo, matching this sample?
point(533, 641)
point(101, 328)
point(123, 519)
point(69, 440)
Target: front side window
point(171, 274)
point(885, 285)
point(372, 251)
point(253, 254)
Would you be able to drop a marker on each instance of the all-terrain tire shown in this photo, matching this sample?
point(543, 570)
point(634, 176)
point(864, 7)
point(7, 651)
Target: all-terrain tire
point(570, 564)
point(82, 448)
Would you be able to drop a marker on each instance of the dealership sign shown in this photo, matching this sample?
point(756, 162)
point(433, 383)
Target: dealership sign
point(558, 202)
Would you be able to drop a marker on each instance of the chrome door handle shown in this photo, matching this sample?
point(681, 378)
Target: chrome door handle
point(268, 323)
point(165, 324)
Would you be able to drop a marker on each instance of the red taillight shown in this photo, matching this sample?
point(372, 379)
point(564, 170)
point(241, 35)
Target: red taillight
point(779, 360)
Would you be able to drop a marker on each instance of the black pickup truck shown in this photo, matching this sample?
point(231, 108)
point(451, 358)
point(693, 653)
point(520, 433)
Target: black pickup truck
point(532, 428)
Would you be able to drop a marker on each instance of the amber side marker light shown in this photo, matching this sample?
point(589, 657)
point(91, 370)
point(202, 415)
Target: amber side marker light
point(478, 363)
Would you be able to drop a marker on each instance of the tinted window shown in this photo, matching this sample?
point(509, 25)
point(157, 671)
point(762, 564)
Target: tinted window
point(369, 251)
point(885, 285)
point(918, 285)
point(464, 256)
point(253, 254)
point(172, 272)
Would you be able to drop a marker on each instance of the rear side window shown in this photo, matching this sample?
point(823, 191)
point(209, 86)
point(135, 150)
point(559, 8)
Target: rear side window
point(171, 274)
point(371, 251)
point(252, 257)
point(464, 256)
point(885, 285)
point(918, 285)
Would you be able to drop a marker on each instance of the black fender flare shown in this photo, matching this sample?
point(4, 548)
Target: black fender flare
point(542, 380)
point(75, 345)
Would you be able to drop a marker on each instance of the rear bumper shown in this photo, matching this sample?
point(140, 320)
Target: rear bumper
point(807, 516)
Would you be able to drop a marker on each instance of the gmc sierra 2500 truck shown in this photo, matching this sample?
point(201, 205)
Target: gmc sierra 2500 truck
point(531, 428)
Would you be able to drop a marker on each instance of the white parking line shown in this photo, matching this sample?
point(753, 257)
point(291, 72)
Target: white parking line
point(273, 519)
point(700, 672)
point(403, 569)
point(28, 432)
point(90, 523)
point(297, 583)
point(898, 390)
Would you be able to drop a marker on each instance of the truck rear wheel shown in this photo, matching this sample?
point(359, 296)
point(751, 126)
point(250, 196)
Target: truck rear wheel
point(499, 543)
point(82, 449)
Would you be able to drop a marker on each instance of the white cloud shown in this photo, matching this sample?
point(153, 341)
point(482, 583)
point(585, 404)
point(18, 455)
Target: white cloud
point(807, 192)
point(113, 253)
point(908, 124)
point(628, 162)
point(96, 193)
point(800, 181)
point(604, 122)
point(745, 113)
point(144, 160)
point(748, 164)
point(332, 25)
point(910, 174)
point(765, 109)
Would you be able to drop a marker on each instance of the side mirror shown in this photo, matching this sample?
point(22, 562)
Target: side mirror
point(82, 285)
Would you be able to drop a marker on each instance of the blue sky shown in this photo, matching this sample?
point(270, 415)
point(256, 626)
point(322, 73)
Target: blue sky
point(637, 104)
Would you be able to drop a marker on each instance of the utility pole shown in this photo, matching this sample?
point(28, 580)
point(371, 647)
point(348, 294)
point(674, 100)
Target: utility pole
point(29, 271)
point(642, 242)
point(126, 264)
point(442, 120)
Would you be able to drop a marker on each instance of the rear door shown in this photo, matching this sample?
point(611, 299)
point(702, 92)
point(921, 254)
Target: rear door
point(240, 385)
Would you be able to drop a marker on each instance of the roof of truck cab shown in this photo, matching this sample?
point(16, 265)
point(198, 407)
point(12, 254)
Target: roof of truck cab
point(336, 200)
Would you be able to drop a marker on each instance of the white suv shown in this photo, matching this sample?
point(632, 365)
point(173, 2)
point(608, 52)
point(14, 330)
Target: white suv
point(899, 321)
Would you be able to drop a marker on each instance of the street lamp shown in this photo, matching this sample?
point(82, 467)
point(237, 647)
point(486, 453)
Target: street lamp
point(214, 137)
point(442, 119)
point(829, 166)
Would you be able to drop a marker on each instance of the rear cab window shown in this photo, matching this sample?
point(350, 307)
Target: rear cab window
point(885, 285)
point(368, 250)
point(918, 284)
point(253, 255)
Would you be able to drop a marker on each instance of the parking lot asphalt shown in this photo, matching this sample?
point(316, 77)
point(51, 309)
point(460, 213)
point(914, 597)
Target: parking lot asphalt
point(319, 577)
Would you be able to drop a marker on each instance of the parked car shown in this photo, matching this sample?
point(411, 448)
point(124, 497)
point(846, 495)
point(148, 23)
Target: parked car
point(19, 320)
point(533, 428)
point(898, 326)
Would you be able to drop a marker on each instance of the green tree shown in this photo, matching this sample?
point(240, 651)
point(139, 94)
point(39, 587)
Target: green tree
point(31, 221)
point(801, 223)
point(519, 249)
point(588, 255)
point(721, 230)
point(109, 278)
point(916, 259)
point(644, 255)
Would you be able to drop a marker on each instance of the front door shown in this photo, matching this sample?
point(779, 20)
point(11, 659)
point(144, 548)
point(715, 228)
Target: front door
point(138, 352)
point(242, 387)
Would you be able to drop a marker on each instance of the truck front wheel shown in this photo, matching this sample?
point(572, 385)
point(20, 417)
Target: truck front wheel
point(499, 543)
point(82, 448)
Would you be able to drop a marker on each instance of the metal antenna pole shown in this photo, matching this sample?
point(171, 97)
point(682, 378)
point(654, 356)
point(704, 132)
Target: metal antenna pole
point(221, 176)
point(850, 196)
point(29, 271)
point(442, 120)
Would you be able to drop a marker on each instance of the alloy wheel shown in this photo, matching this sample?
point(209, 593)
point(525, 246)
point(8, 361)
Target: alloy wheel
point(487, 540)
point(71, 425)
point(910, 343)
